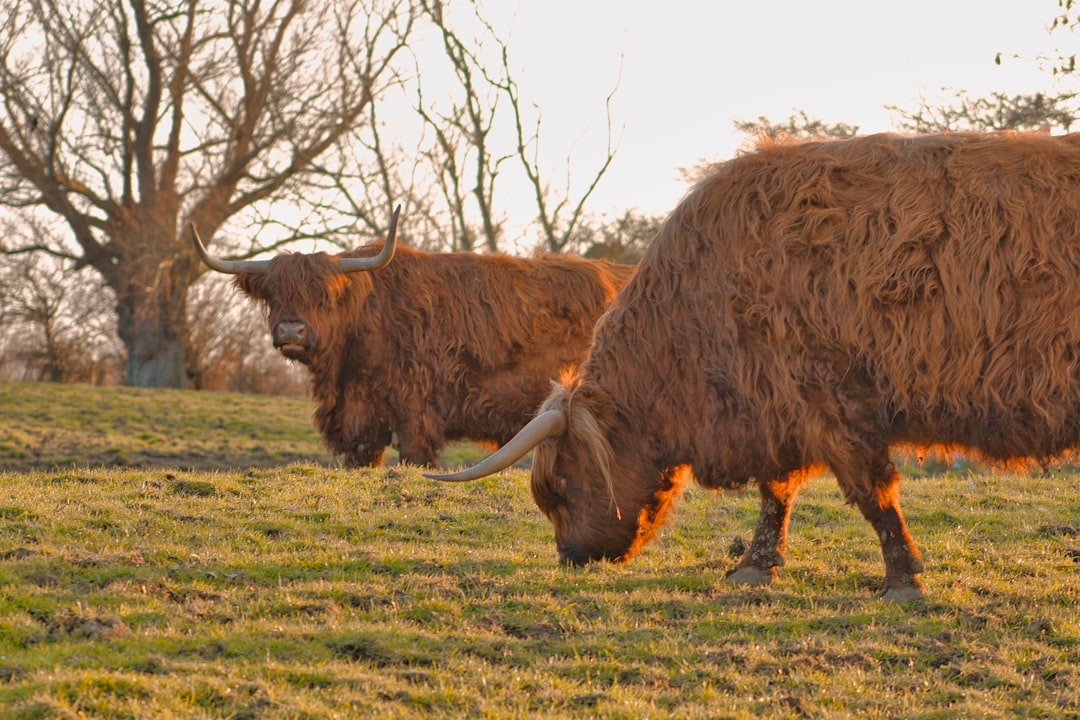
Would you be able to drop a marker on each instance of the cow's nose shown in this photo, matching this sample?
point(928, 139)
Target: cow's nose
point(572, 556)
point(290, 333)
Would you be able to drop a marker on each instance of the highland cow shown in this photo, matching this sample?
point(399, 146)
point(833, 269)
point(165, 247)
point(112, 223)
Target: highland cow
point(808, 306)
point(430, 348)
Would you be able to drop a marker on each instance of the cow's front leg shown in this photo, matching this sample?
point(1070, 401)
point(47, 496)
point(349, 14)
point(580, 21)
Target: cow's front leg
point(351, 431)
point(879, 502)
point(366, 452)
point(361, 444)
point(903, 563)
point(766, 552)
point(417, 448)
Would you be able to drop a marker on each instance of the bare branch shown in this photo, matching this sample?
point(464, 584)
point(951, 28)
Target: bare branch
point(556, 228)
point(998, 111)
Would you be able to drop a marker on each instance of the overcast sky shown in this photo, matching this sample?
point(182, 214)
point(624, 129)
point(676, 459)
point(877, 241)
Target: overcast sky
point(687, 69)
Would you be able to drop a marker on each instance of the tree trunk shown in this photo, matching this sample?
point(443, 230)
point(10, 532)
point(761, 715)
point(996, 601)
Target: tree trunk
point(155, 361)
point(152, 324)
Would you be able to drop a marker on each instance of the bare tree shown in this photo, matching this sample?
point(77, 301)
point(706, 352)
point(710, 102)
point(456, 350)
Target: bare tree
point(57, 326)
point(623, 239)
point(233, 349)
point(1066, 19)
point(998, 111)
point(461, 157)
point(127, 119)
point(800, 124)
point(466, 156)
point(474, 148)
point(558, 213)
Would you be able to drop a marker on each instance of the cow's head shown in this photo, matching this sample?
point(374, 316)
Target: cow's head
point(301, 292)
point(604, 499)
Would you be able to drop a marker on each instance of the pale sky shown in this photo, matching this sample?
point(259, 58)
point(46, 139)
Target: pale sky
point(688, 69)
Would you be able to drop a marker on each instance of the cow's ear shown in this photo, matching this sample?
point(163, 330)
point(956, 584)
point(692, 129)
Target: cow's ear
point(251, 284)
point(590, 399)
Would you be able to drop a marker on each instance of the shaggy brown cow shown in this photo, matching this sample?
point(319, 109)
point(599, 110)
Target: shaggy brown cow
point(810, 305)
point(431, 347)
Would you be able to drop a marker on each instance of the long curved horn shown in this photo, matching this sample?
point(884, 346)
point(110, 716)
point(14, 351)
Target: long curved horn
point(539, 429)
point(348, 265)
point(230, 267)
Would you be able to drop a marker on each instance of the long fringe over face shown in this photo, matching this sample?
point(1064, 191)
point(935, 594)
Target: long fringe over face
point(587, 432)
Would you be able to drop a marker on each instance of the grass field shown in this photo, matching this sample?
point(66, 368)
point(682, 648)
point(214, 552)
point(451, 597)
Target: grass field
point(196, 555)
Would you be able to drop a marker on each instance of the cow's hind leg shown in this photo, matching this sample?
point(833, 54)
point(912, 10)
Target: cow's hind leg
point(766, 552)
point(879, 502)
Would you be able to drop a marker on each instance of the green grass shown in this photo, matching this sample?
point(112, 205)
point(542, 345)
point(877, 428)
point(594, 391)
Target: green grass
point(303, 590)
point(46, 426)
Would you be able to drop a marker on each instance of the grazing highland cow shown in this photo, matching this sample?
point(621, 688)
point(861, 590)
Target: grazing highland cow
point(809, 305)
point(432, 347)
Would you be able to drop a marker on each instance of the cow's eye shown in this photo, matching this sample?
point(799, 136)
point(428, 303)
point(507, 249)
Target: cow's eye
point(559, 486)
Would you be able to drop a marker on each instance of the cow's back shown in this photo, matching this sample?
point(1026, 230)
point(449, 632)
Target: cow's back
point(931, 285)
point(482, 336)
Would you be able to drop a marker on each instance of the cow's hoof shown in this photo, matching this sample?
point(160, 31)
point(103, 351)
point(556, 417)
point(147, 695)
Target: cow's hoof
point(901, 594)
point(751, 576)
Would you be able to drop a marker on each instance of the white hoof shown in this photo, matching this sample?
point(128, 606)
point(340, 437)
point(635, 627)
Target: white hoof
point(901, 594)
point(750, 576)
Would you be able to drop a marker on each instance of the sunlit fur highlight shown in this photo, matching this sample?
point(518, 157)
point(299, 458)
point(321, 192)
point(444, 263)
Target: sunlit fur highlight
point(434, 346)
point(652, 517)
point(817, 303)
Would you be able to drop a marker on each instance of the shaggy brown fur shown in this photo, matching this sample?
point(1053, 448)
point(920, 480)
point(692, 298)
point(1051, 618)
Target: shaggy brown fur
point(812, 304)
point(432, 347)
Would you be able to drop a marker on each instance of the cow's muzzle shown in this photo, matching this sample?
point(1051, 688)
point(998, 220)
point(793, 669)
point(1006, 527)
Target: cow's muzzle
point(292, 339)
point(573, 557)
